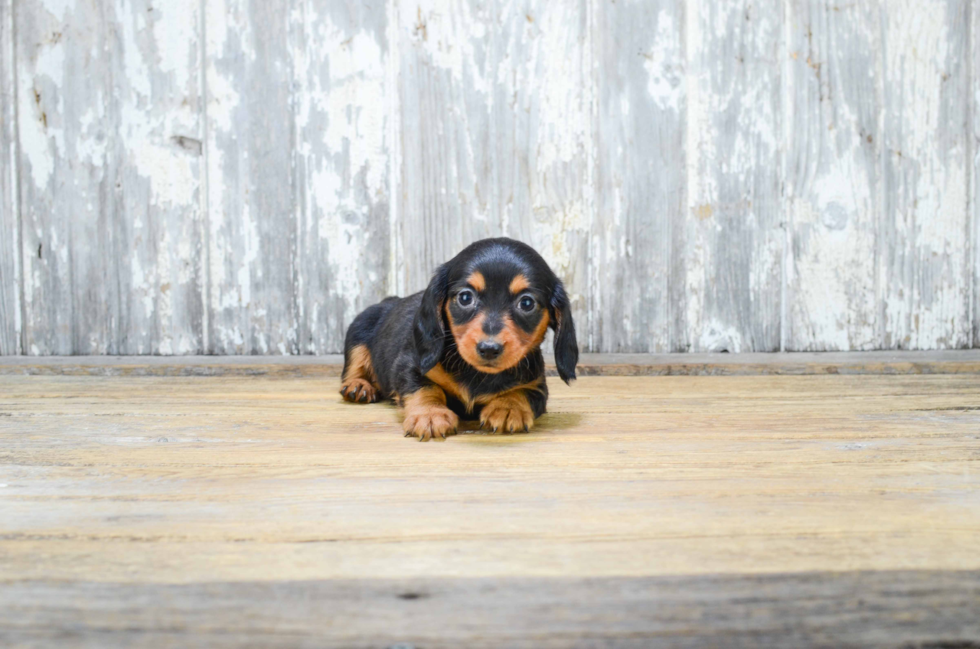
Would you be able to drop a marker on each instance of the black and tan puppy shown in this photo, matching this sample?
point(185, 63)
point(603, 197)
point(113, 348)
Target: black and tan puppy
point(467, 346)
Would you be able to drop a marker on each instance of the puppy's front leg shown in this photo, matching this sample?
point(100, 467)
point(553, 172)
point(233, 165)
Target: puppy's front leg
point(426, 414)
point(512, 412)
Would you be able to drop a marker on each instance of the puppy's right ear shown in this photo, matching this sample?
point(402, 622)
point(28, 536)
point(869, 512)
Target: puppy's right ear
point(427, 329)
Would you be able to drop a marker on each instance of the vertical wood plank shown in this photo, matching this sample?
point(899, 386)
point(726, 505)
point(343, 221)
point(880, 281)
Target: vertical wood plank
point(253, 256)
point(108, 108)
point(640, 170)
point(9, 226)
point(445, 86)
point(832, 179)
point(728, 287)
point(66, 186)
point(542, 138)
point(338, 53)
point(925, 275)
point(158, 221)
point(974, 149)
point(496, 134)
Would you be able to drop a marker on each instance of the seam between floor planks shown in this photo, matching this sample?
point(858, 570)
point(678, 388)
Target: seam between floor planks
point(775, 364)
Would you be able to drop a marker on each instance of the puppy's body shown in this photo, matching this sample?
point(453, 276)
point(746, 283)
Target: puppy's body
point(468, 346)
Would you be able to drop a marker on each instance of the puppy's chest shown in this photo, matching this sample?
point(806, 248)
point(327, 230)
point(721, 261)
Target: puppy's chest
point(480, 389)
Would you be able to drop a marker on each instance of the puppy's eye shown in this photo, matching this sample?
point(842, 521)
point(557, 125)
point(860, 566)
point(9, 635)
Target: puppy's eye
point(526, 303)
point(465, 298)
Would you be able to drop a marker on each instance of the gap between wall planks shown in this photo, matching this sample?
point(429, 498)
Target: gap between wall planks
point(237, 177)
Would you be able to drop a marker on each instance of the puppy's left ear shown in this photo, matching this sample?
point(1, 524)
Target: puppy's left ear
point(566, 346)
point(427, 329)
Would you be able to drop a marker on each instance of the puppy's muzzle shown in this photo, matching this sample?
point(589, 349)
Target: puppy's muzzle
point(489, 349)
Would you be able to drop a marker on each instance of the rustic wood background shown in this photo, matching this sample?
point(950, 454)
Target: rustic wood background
point(243, 176)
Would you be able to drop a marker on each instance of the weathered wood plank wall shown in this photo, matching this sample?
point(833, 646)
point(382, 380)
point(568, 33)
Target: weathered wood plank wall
point(9, 234)
point(243, 176)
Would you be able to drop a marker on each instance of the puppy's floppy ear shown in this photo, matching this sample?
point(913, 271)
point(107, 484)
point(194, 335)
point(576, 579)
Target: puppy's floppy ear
point(427, 329)
point(566, 346)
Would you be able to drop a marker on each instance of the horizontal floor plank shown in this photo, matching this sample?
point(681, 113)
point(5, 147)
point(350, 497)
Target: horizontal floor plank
point(868, 609)
point(692, 510)
point(966, 361)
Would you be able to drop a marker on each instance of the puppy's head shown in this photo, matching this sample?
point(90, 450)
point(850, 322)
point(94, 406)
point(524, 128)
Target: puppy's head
point(498, 297)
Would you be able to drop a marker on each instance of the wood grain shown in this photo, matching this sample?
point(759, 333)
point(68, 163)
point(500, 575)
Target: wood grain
point(888, 609)
point(832, 202)
point(975, 178)
point(243, 177)
point(252, 216)
point(796, 508)
point(640, 174)
point(496, 125)
point(733, 238)
point(109, 128)
point(338, 56)
point(10, 314)
point(748, 364)
point(925, 275)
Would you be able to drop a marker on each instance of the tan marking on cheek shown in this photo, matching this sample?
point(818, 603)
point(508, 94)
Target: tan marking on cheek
point(518, 343)
point(467, 336)
point(541, 330)
point(477, 281)
point(518, 284)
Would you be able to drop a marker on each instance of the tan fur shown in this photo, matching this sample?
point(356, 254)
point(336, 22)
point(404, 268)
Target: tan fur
point(509, 412)
point(518, 284)
point(467, 336)
point(359, 383)
point(517, 342)
point(534, 385)
point(477, 281)
point(444, 380)
point(426, 415)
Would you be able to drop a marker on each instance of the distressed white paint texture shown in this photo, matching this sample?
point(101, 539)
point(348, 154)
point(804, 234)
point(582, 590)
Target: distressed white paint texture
point(541, 140)
point(925, 276)
point(640, 171)
point(496, 134)
point(253, 255)
point(339, 62)
point(832, 137)
point(446, 99)
point(108, 197)
point(975, 185)
point(705, 176)
point(733, 243)
point(159, 232)
point(9, 223)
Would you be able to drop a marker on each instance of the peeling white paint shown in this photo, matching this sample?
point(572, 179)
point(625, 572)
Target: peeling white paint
point(663, 63)
point(444, 120)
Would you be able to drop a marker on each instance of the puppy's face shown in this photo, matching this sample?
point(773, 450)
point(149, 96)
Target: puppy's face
point(498, 297)
point(497, 316)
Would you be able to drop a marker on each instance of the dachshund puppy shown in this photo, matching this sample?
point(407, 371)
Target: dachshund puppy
point(468, 346)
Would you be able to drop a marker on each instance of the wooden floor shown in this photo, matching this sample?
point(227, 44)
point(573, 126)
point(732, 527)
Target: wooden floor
point(642, 511)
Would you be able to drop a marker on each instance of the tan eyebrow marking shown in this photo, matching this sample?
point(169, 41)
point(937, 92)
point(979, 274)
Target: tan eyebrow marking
point(518, 284)
point(477, 281)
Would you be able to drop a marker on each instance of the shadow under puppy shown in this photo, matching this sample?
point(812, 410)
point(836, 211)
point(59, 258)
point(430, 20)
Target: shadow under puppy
point(467, 346)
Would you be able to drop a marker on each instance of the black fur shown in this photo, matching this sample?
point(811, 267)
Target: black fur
point(409, 336)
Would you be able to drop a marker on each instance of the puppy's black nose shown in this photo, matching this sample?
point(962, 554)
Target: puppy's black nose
point(489, 349)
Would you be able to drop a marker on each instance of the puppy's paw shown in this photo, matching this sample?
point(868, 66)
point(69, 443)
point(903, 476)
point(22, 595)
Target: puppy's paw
point(434, 422)
point(507, 414)
point(359, 391)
